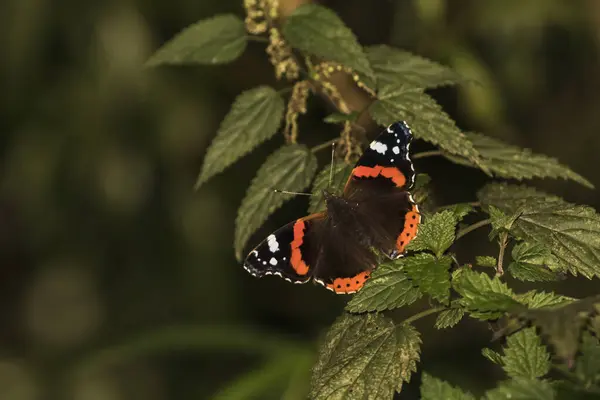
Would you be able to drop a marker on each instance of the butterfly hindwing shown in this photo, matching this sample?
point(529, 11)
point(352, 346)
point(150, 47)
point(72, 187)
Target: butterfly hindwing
point(290, 252)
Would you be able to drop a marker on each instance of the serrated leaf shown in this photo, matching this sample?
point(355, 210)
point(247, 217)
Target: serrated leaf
point(216, 40)
point(290, 168)
point(425, 117)
point(570, 231)
point(449, 318)
point(254, 117)
point(486, 261)
point(363, 356)
point(435, 234)
point(388, 288)
point(501, 222)
point(533, 263)
point(430, 274)
point(525, 356)
point(492, 355)
point(535, 299)
point(522, 389)
point(435, 389)
point(408, 352)
point(395, 66)
point(341, 172)
point(484, 297)
point(319, 31)
point(587, 367)
point(509, 161)
point(461, 210)
point(340, 118)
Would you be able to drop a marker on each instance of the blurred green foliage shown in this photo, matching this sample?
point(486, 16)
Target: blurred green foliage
point(118, 280)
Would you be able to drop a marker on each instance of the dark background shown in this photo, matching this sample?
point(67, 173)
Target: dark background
point(118, 281)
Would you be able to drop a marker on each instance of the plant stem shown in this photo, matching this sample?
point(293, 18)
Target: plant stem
point(423, 314)
point(260, 39)
point(503, 242)
point(424, 154)
point(325, 145)
point(471, 228)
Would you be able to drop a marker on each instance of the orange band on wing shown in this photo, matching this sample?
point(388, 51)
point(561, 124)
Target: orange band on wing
point(296, 260)
point(411, 223)
point(387, 172)
point(349, 285)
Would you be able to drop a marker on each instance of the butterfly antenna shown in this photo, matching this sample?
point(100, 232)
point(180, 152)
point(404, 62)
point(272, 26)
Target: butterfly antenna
point(288, 192)
point(331, 165)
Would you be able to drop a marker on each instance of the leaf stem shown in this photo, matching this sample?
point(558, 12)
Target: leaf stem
point(503, 243)
point(471, 228)
point(424, 154)
point(423, 314)
point(325, 145)
point(260, 39)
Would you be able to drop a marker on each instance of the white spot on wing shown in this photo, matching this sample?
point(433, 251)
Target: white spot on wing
point(378, 147)
point(273, 261)
point(273, 243)
point(396, 149)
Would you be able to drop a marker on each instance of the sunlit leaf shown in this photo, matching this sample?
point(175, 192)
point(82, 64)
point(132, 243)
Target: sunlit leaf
point(525, 356)
point(408, 352)
point(216, 40)
point(341, 172)
point(254, 117)
point(492, 355)
point(388, 288)
point(319, 31)
point(533, 263)
point(486, 261)
point(425, 117)
point(435, 389)
point(395, 66)
point(449, 318)
point(535, 299)
point(436, 233)
point(290, 168)
point(430, 274)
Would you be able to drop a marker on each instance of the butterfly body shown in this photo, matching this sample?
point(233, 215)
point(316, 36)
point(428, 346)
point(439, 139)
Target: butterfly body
point(374, 214)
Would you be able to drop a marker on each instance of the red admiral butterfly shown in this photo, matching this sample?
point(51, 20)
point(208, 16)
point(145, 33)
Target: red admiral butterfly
point(336, 247)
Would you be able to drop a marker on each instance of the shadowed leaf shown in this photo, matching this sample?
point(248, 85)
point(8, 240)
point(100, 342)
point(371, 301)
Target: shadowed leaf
point(436, 389)
point(449, 318)
point(522, 389)
point(430, 274)
point(525, 356)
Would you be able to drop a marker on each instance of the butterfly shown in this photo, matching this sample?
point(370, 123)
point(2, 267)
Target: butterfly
point(375, 213)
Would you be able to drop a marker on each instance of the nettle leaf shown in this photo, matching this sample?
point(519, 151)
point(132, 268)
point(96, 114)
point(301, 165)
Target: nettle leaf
point(420, 191)
point(430, 274)
point(535, 299)
point(587, 367)
point(341, 172)
point(319, 31)
point(435, 389)
point(449, 318)
point(522, 389)
point(461, 210)
point(486, 261)
point(501, 222)
point(364, 356)
point(388, 288)
point(484, 297)
point(525, 356)
point(533, 263)
point(425, 117)
point(492, 355)
point(254, 117)
point(290, 168)
point(216, 40)
point(509, 161)
point(435, 234)
point(571, 232)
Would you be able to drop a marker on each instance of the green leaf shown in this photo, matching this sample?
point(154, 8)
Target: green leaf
point(394, 66)
point(461, 210)
point(501, 222)
point(435, 389)
point(587, 367)
point(430, 274)
point(522, 389)
point(486, 261)
point(484, 297)
point(290, 168)
point(420, 190)
point(364, 356)
point(493, 356)
point(388, 288)
point(534, 299)
point(254, 117)
point(571, 232)
point(435, 234)
point(340, 118)
point(341, 172)
point(407, 353)
point(449, 318)
point(216, 40)
point(533, 263)
point(425, 117)
point(508, 161)
point(319, 31)
point(525, 356)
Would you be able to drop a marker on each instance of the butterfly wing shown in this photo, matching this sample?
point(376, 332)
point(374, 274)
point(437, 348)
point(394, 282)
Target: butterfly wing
point(379, 183)
point(290, 252)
